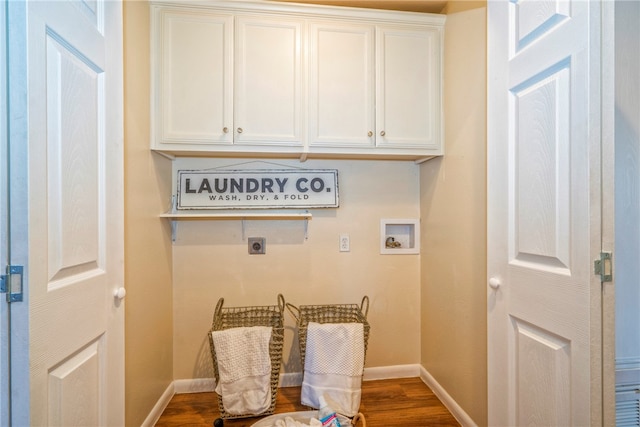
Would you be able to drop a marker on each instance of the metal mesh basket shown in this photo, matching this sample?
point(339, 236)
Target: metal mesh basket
point(329, 313)
point(235, 317)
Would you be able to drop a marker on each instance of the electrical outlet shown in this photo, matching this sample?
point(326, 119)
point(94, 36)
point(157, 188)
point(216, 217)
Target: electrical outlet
point(345, 244)
point(257, 245)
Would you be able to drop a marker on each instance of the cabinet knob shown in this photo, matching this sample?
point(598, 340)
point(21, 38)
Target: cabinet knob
point(494, 283)
point(225, 129)
point(382, 133)
point(370, 133)
point(239, 130)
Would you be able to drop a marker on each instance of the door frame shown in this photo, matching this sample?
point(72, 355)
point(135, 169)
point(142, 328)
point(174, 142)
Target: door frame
point(16, 197)
point(607, 132)
point(5, 379)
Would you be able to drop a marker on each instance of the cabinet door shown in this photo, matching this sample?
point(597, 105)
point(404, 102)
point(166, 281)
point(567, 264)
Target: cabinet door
point(268, 85)
point(191, 68)
point(408, 98)
point(341, 96)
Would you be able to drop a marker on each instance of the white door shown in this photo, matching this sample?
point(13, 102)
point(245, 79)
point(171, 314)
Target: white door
point(76, 213)
point(543, 213)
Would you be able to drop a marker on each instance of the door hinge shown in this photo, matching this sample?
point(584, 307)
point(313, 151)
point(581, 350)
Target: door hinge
point(11, 283)
point(603, 267)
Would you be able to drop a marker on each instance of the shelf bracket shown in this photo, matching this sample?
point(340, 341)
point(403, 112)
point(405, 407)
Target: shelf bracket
point(174, 226)
point(306, 229)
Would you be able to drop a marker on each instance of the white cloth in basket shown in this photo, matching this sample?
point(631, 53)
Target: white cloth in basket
point(244, 367)
point(290, 422)
point(333, 365)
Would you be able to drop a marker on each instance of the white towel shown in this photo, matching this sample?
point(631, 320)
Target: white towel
point(333, 365)
point(244, 367)
point(290, 422)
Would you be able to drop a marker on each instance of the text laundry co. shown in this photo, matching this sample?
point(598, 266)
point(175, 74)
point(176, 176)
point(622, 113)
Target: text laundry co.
point(249, 189)
point(253, 185)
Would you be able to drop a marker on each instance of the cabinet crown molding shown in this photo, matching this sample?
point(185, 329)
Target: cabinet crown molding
point(315, 10)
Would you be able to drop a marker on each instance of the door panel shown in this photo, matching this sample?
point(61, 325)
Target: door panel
point(202, 74)
point(268, 65)
point(407, 87)
point(534, 19)
point(542, 214)
point(75, 89)
point(76, 213)
point(543, 367)
point(342, 110)
point(540, 205)
point(78, 376)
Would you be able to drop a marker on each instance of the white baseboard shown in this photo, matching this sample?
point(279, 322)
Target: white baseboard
point(291, 379)
point(159, 407)
point(294, 379)
point(389, 372)
point(458, 413)
point(195, 385)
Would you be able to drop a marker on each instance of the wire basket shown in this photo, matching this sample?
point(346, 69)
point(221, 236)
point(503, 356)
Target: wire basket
point(235, 317)
point(329, 313)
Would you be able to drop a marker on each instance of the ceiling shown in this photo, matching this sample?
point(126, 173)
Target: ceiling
point(424, 6)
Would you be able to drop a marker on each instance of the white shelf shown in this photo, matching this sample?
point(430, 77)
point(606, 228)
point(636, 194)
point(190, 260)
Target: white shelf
point(240, 216)
point(237, 216)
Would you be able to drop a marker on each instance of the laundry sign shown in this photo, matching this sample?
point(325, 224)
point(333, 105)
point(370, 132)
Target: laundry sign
point(257, 189)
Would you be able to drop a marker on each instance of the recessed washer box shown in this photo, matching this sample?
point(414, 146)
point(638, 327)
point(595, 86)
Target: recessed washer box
point(399, 236)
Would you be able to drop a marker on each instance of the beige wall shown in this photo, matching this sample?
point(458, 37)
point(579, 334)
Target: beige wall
point(427, 309)
point(453, 207)
point(148, 305)
point(210, 261)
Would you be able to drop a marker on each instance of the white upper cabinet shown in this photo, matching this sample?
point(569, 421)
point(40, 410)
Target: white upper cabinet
point(235, 78)
point(191, 98)
point(408, 88)
point(268, 94)
point(342, 84)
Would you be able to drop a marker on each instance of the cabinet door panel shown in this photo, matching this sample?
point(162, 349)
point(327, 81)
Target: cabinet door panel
point(408, 87)
point(194, 102)
point(341, 70)
point(268, 84)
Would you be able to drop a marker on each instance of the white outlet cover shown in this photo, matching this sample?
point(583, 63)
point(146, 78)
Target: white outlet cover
point(345, 243)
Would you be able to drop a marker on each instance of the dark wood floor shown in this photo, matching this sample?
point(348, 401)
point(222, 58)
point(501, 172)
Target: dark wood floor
point(399, 402)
